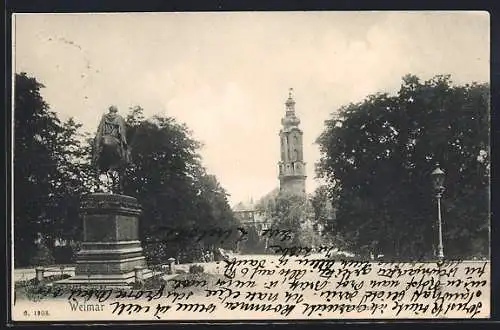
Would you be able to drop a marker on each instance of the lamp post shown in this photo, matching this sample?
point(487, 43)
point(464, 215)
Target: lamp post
point(438, 180)
point(438, 176)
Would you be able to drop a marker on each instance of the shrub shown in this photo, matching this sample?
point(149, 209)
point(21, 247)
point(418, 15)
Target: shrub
point(196, 269)
point(42, 257)
point(150, 283)
point(64, 255)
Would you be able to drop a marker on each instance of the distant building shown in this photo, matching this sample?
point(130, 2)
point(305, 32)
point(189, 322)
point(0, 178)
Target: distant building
point(292, 168)
point(250, 215)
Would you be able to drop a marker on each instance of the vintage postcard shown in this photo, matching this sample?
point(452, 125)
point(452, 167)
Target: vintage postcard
point(250, 166)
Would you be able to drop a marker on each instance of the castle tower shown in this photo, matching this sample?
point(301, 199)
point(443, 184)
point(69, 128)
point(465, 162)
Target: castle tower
point(292, 170)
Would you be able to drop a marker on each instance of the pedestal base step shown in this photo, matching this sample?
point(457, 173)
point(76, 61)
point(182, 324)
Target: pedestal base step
point(108, 280)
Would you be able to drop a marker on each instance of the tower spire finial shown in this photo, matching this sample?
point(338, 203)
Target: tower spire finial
point(290, 103)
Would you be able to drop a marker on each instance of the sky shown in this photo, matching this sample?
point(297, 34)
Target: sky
point(226, 75)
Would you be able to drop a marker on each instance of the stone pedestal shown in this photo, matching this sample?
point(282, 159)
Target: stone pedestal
point(111, 251)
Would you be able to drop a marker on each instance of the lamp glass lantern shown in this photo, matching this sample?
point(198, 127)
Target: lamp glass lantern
point(438, 178)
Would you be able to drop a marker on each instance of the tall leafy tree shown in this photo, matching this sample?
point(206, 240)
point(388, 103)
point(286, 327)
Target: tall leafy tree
point(291, 213)
point(323, 207)
point(380, 153)
point(324, 203)
point(76, 178)
point(162, 174)
point(212, 199)
point(34, 127)
point(48, 167)
point(167, 177)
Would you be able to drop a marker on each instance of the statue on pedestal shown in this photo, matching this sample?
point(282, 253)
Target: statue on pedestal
point(111, 151)
point(111, 253)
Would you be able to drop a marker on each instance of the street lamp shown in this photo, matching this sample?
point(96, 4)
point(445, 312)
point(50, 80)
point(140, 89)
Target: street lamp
point(438, 181)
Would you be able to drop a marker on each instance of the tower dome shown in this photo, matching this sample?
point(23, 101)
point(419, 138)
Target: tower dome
point(290, 119)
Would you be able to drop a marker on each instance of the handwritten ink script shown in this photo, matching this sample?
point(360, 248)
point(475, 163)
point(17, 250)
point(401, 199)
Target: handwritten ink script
point(295, 283)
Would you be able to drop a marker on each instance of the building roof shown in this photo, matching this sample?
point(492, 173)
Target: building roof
point(250, 205)
point(244, 206)
point(270, 196)
point(261, 204)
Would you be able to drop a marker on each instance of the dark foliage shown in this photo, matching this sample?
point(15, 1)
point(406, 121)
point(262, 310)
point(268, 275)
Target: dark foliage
point(50, 172)
point(378, 154)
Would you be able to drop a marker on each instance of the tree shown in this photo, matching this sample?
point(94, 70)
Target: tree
point(77, 177)
point(172, 186)
point(289, 212)
point(162, 174)
point(48, 169)
point(324, 203)
point(323, 208)
point(380, 152)
point(254, 243)
point(215, 213)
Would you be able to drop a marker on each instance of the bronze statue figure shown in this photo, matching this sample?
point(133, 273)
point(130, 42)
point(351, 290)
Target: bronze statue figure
point(111, 150)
